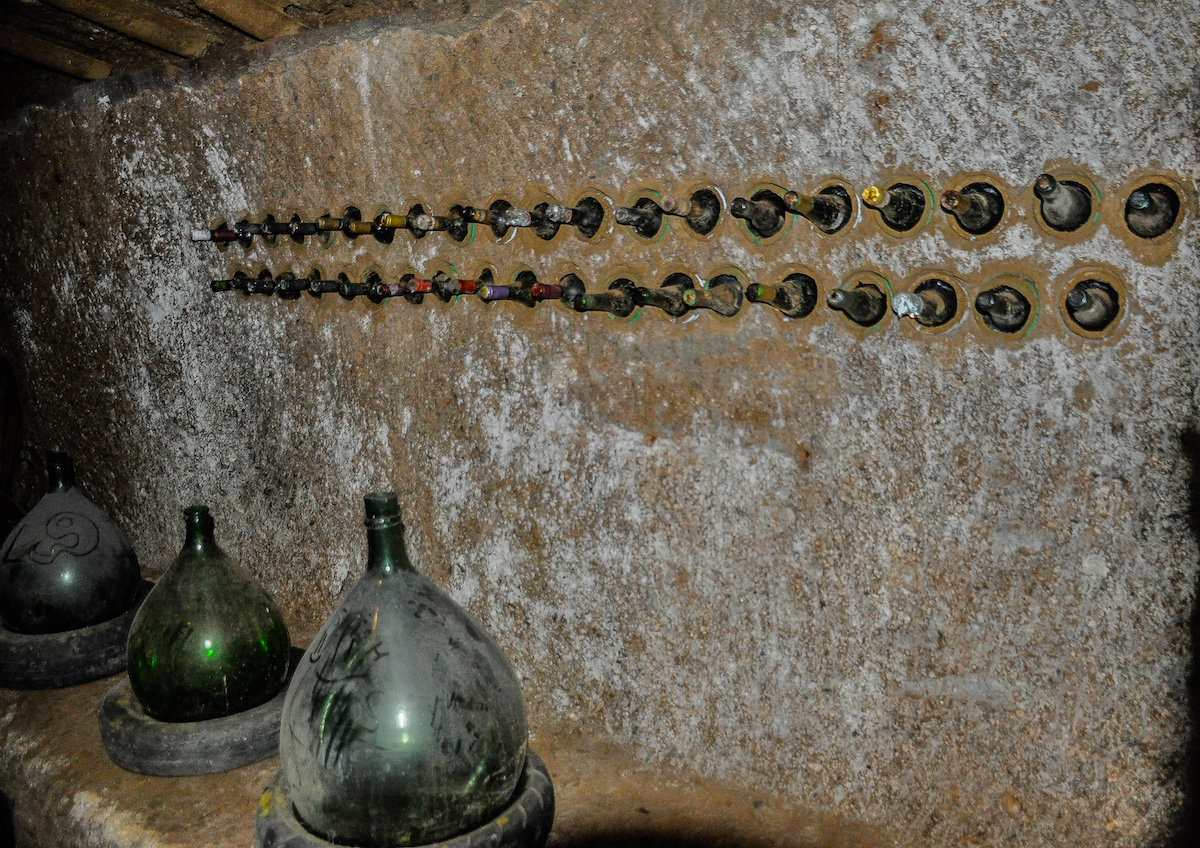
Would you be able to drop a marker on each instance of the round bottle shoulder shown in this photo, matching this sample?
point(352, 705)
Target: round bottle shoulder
point(402, 702)
point(65, 565)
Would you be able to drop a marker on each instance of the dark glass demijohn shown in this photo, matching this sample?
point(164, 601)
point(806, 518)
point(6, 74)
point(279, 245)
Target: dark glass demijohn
point(65, 565)
point(208, 640)
point(404, 723)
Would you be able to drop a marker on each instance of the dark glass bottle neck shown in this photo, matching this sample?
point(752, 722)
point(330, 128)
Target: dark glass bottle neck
point(385, 549)
point(60, 471)
point(198, 531)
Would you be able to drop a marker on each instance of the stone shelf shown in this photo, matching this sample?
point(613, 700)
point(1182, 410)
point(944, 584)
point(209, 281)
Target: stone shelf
point(66, 794)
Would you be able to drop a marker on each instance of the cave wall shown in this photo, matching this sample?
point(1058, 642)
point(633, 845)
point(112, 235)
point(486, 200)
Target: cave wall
point(940, 582)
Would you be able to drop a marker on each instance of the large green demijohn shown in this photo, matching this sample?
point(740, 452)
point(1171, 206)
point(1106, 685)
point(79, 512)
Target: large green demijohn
point(65, 565)
point(405, 723)
point(208, 640)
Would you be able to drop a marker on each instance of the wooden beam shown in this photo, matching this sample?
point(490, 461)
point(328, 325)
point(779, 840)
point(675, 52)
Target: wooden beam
point(259, 18)
point(140, 20)
point(18, 42)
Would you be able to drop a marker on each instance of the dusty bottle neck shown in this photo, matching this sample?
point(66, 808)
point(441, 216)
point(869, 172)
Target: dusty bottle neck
point(60, 471)
point(385, 534)
point(385, 549)
point(198, 531)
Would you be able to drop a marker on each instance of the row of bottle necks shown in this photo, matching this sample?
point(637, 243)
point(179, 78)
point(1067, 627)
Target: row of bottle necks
point(1094, 302)
point(1064, 204)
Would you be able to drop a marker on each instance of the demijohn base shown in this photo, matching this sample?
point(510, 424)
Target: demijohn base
point(136, 742)
point(55, 660)
point(524, 823)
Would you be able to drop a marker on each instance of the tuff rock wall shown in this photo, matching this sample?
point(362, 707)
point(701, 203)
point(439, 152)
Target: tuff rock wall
point(938, 582)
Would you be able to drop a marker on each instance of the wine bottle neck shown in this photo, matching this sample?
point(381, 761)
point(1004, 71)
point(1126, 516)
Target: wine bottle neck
point(385, 549)
point(60, 471)
point(198, 531)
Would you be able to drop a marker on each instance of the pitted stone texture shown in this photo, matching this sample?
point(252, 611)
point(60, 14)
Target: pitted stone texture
point(941, 584)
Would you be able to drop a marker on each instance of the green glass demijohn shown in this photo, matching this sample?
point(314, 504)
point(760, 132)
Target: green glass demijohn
point(208, 640)
point(65, 565)
point(404, 723)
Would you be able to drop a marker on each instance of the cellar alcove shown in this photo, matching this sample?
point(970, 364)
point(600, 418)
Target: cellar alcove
point(938, 585)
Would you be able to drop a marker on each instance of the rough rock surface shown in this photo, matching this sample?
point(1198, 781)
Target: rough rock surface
point(939, 583)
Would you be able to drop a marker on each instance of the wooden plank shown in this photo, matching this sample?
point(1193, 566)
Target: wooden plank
point(259, 18)
point(140, 20)
point(28, 46)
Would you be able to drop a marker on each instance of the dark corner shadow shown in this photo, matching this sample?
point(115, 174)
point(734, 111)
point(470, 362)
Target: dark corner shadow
point(652, 837)
point(8, 835)
point(1187, 825)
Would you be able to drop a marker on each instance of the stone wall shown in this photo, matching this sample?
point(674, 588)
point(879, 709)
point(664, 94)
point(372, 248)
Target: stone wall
point(938, 582)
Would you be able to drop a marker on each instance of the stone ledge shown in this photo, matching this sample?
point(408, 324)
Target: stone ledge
point(65, 793)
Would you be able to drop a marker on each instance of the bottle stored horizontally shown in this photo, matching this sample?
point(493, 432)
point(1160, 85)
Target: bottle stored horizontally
point(223, 234)
point(404, 723)
point(458, 223)
point(299, 229)
point(933, 303)
point(270, 228)
point(352, 225)
point(349, 289)
point(65, 565)
point(977, 207)
point(901, 206)
point(764, 212)
point(1065, 204)
point(408, 287)
point(328, 224)
point(645, 217)
point(447, 287)
point(1003, 309)
point(865, 304)
point(724, 296)
point(700, 212)
point(385, 224)
point(795, 296)
point(208, 641)
point(318, 286)
point(617, 300)
point(829, 210)
point(264, 283)
point(289, 287)
point(415, 288)
point(525, 290)
point(543, 226)
point(669, 296)
point(1151, 210)
point(238, 282)
point(501, 216)
point(1093, 304)
point(492, 291)
point(586, 216)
